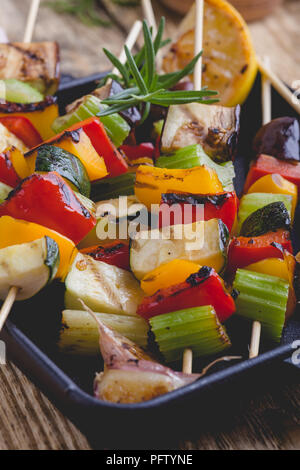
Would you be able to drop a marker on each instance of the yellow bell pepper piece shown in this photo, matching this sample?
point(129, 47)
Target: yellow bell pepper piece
point(42, 119)
point(152, 182)
point(271, 266)
point(168, 274)
point(16, 232)
point(276, 184)
point(82, 149)
point(19, 162)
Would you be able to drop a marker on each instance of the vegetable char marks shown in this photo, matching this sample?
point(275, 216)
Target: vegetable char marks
point(33, 63)
point(216, 128)
point(56, 206)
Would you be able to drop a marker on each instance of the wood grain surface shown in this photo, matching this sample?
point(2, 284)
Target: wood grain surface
point(27, 419)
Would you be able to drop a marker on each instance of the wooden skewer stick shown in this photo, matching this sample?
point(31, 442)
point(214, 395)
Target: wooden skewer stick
point(266, 96)
point(7, 305)
point(255, 340)
point(266, 93)
point(130, 41)
point(187, 363)
point(199, 43)
point(282, 89)
point(188, 353)
point(31, 20)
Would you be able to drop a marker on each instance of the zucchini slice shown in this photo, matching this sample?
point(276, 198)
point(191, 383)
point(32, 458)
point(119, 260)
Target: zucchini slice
point(150, 249)
point(29, 266)
point(102, 287)
point(4, 191)
point(51, 158)
point(111, 188)
point(270, 218)
point(255, 201)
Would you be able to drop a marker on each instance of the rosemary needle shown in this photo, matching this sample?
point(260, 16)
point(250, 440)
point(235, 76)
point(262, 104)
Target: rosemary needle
point(144, 86)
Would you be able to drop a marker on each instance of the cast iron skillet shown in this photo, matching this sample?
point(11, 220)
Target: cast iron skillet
point(32, 331)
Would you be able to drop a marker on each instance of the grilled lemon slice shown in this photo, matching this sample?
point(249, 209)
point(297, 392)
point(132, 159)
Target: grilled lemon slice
point(229, 60)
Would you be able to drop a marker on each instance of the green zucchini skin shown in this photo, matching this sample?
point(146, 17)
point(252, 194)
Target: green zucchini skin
point(224, 242)
point(4, 191)
point(270, 218)
point(51, 158)
point(111, 188)
point(52, 259)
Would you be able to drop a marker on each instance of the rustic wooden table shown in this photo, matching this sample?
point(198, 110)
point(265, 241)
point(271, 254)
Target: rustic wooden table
point(27, 419)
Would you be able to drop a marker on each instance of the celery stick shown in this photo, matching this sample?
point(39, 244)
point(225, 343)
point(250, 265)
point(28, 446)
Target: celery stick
point(252, 202)
point(195, 328)
point(263, 298)
point(194, 155)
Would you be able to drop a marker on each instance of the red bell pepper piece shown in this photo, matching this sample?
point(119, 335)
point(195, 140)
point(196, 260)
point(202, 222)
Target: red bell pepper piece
point(267, 165)
point(115, 163)
point(245, 251)
point(133, 152)
point(203, 288)
point(8, 174)
point(157, 151)
point(116, 254)
point(22, 128)
point(222, 206)
point(47, 200)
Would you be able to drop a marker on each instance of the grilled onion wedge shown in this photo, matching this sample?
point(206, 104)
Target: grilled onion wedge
point(102, 287)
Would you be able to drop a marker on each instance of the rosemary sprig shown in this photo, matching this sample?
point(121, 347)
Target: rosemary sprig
point(85, 10)
point(144, 86)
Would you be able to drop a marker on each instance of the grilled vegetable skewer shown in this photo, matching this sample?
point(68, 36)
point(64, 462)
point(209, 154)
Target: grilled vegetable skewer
point(267, 116)
point(13, 292)
point(24, 270)
point(187, 365)
point(188, 355)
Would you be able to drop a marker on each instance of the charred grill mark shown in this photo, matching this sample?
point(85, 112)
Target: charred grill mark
point(104, 283)
point(244, 69)
point(74, 135)
point(31, 55)
point(185, 198)
point(10, 108)
point(7, 159)
point(19, 188)
point(201, 276)
point(193, 280)
point(101, 251)
point(145, 185)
